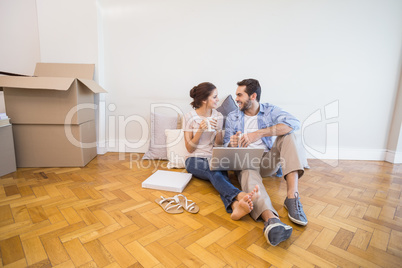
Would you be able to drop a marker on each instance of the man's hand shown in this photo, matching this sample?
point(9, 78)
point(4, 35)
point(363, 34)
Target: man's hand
point(248, 138)
point(234, 140)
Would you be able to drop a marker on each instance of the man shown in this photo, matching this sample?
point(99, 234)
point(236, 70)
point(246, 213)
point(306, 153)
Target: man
point(263, 125)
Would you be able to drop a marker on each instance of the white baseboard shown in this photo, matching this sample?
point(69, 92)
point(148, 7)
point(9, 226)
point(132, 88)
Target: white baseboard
point(348, 154)
point(101, 148)
point(393, 157)
point(362, 154)
point(398, 158)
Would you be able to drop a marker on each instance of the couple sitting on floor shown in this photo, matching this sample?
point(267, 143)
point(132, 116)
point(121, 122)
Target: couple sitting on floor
point(262, 125)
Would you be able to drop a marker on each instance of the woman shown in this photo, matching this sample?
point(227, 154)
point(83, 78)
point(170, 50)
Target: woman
point(203, 127)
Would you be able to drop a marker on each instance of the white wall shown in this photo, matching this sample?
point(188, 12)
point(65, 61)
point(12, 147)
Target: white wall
point(394, 148)
point(19, 46)
point(306, 54)
point(68, 31)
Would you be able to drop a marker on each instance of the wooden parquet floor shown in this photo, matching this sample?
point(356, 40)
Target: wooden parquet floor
point(100, 216)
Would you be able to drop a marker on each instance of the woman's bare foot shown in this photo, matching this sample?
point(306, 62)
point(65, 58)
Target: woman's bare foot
point(255, 194)
point(241, 208)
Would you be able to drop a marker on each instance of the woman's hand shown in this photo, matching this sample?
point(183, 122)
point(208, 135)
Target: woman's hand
point(214, 123)
point(203, 125)
point(208, 124)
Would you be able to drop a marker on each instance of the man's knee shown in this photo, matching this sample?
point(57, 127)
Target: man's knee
point(289, 138)
point(289, 141)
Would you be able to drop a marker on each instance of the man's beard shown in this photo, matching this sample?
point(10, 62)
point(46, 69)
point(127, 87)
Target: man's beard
point(246, 106)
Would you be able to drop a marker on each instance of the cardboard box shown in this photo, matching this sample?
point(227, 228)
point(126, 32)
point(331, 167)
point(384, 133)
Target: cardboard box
point(59, 96)
point(49, 144)
point(7, 155)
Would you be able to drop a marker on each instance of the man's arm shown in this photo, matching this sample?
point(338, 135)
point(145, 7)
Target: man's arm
point(277, 130)
point(283, 123)
point(280, 116)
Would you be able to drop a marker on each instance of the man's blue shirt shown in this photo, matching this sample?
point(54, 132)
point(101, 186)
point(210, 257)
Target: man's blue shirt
point(268, 116)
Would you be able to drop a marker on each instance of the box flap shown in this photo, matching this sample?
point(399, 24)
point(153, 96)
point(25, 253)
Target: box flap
point(92, 85)
point(85, 71)
point(52, 83)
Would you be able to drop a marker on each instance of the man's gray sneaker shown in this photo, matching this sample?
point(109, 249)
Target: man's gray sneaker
point(295, 210)
point(276, 231)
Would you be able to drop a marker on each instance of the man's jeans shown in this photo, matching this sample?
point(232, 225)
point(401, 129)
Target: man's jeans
point(199, 167)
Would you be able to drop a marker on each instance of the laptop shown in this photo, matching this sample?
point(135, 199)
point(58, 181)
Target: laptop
point(235, 158)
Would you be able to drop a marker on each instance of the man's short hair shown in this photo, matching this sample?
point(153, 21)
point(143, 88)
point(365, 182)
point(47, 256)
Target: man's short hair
point(252, 86)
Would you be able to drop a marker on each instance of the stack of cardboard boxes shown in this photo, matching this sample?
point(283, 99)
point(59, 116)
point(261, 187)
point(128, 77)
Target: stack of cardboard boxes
point(53, 115)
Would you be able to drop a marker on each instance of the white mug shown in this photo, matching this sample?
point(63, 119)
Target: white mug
point(209, 119)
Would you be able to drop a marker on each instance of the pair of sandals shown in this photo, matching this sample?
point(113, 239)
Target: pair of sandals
point(177, 204)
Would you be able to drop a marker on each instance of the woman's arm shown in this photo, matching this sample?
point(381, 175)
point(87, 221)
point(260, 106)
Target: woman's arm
point(219, 138)
point(191, 140)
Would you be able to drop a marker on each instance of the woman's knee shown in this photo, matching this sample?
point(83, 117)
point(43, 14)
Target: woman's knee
point(196, 163)
point(198, 168)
